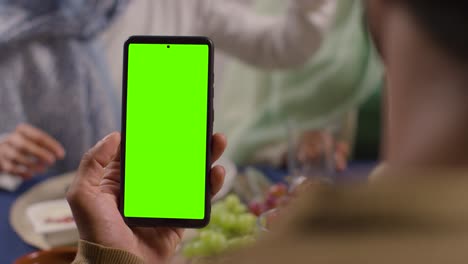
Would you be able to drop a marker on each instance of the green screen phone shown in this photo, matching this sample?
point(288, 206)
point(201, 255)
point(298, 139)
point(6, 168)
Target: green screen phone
point(167, 118)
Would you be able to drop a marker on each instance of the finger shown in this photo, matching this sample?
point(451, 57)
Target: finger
point(14, 155)
point(112, 172)
point(340, 162)
point(28, 147)
point(116, 157)
point(15, 169)
point(105, 150)
point(219, 144)
point(23, 165)
point(343, 147)
point(24, 172)
point(110, 182)
point(113, 165)
point(98, 157)
point(42, 139)
point(217, 179)
point(39, 168)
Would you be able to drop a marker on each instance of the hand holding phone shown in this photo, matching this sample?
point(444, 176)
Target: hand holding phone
point(93, 198)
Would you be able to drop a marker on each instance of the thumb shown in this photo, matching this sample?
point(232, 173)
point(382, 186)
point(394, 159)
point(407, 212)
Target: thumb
point(99, 156)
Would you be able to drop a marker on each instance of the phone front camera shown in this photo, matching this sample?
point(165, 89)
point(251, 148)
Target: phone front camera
point(168, 46)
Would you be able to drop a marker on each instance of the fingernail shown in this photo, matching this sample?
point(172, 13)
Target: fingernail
point(106, 138)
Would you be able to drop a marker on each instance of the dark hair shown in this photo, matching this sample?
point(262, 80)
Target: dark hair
point(446, 21)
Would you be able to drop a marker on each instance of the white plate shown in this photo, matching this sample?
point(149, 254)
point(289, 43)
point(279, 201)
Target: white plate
point(51, 189)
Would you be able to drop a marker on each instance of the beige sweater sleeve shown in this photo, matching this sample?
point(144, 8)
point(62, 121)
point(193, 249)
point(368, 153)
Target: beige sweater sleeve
point(90, 253)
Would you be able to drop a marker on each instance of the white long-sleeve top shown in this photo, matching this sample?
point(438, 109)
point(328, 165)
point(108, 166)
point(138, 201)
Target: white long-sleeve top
point(262, 40)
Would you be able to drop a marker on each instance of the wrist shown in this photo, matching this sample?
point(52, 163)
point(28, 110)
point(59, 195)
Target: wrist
point(92, 253)
point(105, 242)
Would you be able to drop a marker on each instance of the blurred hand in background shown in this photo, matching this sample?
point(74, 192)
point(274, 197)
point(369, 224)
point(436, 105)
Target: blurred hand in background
point(313, 145)
point(28, 150)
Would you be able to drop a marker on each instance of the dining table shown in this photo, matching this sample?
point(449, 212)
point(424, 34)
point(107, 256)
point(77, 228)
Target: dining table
point(13, 247)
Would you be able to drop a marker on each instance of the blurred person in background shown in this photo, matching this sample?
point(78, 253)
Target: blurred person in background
point(267, 41)
point(248, 41)
point(417, 214)
point(256, 106)
point(56, 98)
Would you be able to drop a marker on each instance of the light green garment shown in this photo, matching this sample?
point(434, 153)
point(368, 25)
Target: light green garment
point(256, 106)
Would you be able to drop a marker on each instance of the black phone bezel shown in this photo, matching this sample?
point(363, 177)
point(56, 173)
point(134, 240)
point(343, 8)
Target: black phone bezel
point(171, 222)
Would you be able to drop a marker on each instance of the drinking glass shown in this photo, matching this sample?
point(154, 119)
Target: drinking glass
point(311, 155)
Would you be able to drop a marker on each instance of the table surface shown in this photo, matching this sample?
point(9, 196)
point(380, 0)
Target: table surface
point(12, 247)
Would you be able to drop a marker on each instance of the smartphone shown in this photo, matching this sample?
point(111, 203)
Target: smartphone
point(167, 122)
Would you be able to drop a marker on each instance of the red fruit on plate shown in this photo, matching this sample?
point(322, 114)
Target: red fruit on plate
point(256, 208)
point(271, 202)
point(278, 190)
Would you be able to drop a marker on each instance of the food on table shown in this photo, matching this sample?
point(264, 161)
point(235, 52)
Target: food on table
point(59, 220)
point(256, 208)
point(250, 184)
point(234, 225)
point(50, 216)
point(277, 195)
point(278, 190)
point(53, 220)
point(231, 227)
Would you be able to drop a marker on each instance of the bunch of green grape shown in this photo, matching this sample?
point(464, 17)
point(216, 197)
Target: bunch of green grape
point(231, 227)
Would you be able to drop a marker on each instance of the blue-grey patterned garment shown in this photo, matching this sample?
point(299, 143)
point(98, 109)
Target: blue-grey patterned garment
point(51, 74)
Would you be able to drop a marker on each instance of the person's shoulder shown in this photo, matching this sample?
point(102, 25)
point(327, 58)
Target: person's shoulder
point(394, 198)
point(405, 212)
